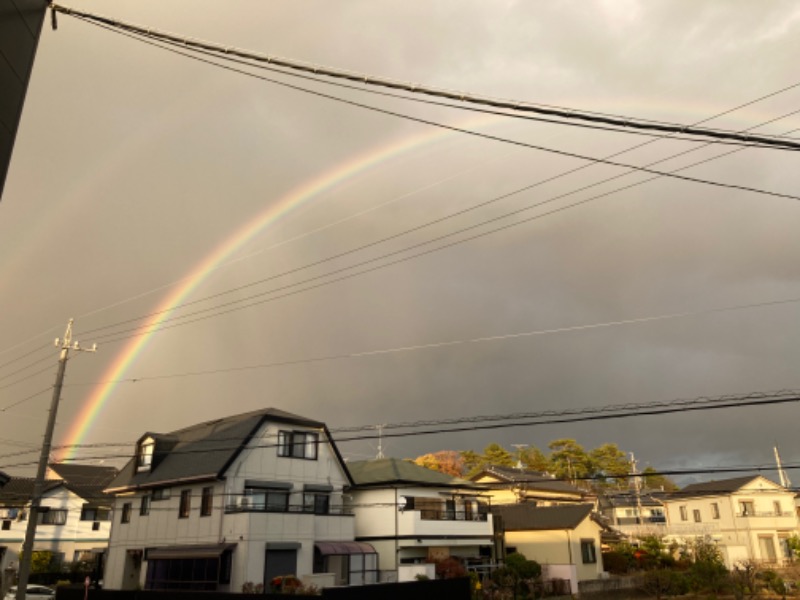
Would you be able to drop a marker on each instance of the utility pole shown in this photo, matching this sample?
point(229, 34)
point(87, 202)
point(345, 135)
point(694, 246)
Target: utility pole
point(38, 485)
point(637, 489)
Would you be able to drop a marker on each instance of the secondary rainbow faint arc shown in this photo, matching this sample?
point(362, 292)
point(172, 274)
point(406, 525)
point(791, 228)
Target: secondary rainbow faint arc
point(92, 407)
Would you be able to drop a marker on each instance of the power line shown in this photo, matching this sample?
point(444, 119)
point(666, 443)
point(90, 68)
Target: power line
point(525, 419)
point(445, 344)
point(579, 168)
point(192, 52)
point(569, 114)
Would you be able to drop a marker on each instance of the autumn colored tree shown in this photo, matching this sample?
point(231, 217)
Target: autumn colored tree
point(535, 459)
point(444, 461)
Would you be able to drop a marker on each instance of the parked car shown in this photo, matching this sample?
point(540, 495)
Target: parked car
point(32, 592)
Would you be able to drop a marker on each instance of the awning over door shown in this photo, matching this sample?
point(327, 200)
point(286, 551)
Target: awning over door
point(334, 548)
point(194, 551)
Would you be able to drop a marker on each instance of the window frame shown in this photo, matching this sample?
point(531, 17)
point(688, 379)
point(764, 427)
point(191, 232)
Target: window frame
point(715, 510)
point(125, 516)
point(54, 516)
point(185, 504)
point(298, 444)
point(145, 504)
point(206, 501)
point(684, 511)
point(588, 551)
point(144, 454)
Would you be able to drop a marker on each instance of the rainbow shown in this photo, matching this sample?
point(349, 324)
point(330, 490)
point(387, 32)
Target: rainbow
point(92, 407)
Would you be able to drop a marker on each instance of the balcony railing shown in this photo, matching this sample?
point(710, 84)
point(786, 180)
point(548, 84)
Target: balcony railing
point(763, 513)
point(451, 515)
point(243, 507)
point(642, 520)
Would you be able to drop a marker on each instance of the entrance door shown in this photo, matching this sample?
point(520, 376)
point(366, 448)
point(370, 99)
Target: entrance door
point(279, 562)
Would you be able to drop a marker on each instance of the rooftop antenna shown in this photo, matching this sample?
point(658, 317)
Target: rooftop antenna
point(520, 448)
point(781, 471)
point(380, 441)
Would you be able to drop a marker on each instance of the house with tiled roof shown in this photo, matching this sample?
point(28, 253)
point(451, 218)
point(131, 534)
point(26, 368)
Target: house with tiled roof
point(634, 513)
point(74, 516)
point(414, 516)
point(748, 517)
point(510, 485)
point(563, 539)
point(234, 501)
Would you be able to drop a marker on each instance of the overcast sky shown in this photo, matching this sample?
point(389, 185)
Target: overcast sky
point(132, 165)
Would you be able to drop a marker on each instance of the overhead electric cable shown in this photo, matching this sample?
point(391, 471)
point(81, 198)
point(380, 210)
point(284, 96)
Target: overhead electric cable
point(579, 168)
point(443, 344)
point(627, 122)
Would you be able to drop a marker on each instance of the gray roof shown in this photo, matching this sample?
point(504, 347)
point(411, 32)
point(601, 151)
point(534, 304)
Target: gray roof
point(88, 481)
point(393, 471)
point(203, 451)
point(532, 480)
point(17, 491)
point(715, 488)
point(527, 517)
point(623, 499)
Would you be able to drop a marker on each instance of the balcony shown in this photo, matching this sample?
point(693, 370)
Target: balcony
point(642, 520)
point(246, 507)
point(422, 523)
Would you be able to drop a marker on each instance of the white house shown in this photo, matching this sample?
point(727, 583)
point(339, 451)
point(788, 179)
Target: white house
point(234, 501)
point(414, 516)
point(74, 515)
point(750, 517)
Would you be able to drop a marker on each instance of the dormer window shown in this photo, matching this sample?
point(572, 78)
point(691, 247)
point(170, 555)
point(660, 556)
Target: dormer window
point(144, 455)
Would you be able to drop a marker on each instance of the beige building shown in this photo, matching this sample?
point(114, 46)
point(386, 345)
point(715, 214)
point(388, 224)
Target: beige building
point(565, 539)
point(749, 518)
point(510, 485)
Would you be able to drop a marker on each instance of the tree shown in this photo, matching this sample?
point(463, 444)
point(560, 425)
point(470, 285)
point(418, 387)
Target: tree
point(493, 454)
point(444, 461)
point(535, 459)
point(708, 569)
point(654, 481)
point(610, 463)
point(569, 460)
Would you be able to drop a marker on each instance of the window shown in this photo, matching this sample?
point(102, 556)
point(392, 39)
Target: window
point(588, 553)
point(144, 507)
point(316, 502)
point(266, 498)
point(6, 525)
point(96, 526)
point(714, 510)
point(747, 508)
point(207, 502)
point(161, 494)
point(684, 513)
point(95, 513)
point(298, 444)
point(53, 517)
point(696, 515)
point(144, 456)
point(126, 513)
point(185, 505)
point(777, 507)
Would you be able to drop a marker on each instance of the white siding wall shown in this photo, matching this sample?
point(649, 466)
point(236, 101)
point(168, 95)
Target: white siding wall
point(251, 531)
